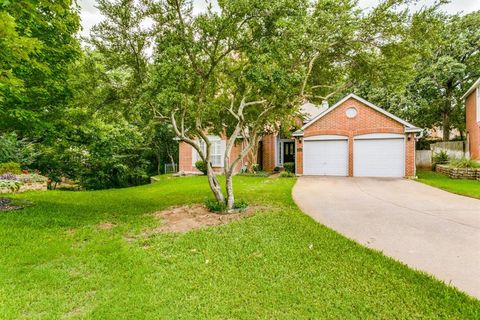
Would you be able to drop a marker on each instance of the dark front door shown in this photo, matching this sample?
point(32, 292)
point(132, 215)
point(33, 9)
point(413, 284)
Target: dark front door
point(288, 152)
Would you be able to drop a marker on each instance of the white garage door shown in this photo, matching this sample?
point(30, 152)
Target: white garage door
point(325, 157)
point(379, 157)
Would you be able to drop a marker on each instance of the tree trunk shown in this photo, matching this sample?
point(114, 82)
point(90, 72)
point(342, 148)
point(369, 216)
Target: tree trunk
point(158, 163)
point(230, 194)
point(446, 127)
point(253, 157)
point(214, 184)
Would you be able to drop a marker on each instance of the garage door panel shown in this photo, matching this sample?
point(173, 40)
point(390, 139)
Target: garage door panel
point(379, 158)
point(325, 158)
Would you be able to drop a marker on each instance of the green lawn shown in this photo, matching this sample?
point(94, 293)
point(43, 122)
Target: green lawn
point(279, 264)
point(470, 188)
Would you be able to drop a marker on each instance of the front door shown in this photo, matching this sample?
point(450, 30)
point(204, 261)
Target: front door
point(288, 152)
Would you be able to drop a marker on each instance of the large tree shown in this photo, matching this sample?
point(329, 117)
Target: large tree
point(37, 46)
point(446, 71)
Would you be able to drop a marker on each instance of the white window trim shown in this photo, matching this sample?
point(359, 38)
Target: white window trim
point(217, 151)
point(279, 145)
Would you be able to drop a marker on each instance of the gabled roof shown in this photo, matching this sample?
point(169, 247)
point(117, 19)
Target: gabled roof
point(409, 127)
point(472, 88)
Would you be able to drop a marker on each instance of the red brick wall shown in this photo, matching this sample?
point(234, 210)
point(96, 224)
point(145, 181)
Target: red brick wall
point(268, 152)
point(367, 121)
point(410, 168)
point(298, 156)
point(473, 127)
point(185, 158)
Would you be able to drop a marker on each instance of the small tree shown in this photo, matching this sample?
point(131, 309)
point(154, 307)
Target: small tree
point(227, 73)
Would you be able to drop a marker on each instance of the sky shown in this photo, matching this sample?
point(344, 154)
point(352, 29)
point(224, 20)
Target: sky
point(91, 16)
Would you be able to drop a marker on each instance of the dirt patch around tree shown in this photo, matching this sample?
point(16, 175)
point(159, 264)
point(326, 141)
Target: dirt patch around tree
point(105, 226)
point(186, 218)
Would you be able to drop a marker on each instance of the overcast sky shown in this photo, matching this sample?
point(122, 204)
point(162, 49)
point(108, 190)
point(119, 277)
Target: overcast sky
point(90, 15)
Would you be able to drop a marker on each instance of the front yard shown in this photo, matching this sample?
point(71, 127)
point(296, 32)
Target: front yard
point(470, 188)
point(57, 261)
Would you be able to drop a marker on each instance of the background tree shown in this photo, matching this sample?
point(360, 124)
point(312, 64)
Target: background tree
point(445, 72)
point(37, 48)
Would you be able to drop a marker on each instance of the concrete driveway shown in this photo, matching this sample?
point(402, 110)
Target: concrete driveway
point(424, 227)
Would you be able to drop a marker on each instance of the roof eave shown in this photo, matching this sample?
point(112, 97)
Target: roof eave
point(369, 104)
point(413, 130)
point(475, 85)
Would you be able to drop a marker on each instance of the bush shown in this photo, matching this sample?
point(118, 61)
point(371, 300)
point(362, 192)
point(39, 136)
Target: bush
point(276, 169)
point(464, 163)
point(12, 185)
point(286, 174)
point(289, 166)
point(256, 167)
point(262, 174)
point(10, 167)
point(32, 178)
point(201, 166)
point(240, 205)
point(215, 206)
point(440, 158)
point(8, 176)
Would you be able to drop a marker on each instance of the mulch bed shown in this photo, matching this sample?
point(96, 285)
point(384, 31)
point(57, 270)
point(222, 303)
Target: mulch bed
point(7, 204)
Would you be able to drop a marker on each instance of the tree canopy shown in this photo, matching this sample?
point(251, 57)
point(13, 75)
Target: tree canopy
point(105, 110)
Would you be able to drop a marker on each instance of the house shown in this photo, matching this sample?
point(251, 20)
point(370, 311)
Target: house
point(472, 110)
point(351, 138)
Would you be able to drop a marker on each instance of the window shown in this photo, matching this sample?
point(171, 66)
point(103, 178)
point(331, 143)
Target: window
point(216, 154)
point(351, 112)
point(478, 104)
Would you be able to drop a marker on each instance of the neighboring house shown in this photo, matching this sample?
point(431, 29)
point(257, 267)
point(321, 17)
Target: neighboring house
point(472, 110)
point(351, 138)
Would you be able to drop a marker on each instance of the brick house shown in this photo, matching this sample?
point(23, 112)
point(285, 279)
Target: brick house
point(351, 138)
point(472, 110)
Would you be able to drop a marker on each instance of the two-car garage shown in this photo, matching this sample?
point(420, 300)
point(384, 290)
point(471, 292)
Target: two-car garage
point(356, 138)
point(373, 155)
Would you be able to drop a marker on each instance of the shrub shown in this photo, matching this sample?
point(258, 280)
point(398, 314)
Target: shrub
point(289, 166)
point(262, 174)
point(215, 206)
point(8, 176)
point(32, 178)
point(440, 158)
point(286, 174)
point(201, 166)
point(12, 185)
point(256, 167)
point(10, 167)
point(240, 205)
point(276, 169)
point(464, 163)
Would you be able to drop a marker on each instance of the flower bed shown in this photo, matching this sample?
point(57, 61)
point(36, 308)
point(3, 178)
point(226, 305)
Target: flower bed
point(459, 173)
point(10, 183)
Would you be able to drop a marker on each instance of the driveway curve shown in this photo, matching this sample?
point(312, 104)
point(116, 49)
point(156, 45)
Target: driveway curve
point(428, 229)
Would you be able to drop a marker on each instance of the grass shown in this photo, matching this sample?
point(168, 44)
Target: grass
point(470, 188)
point(56, 263)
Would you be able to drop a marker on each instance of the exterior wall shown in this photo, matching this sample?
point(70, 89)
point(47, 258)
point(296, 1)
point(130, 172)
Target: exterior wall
point(298, 156)
point(186, 153)
point(473, 127)
point(268, 152)
point(410, 168)
point(367, 121)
